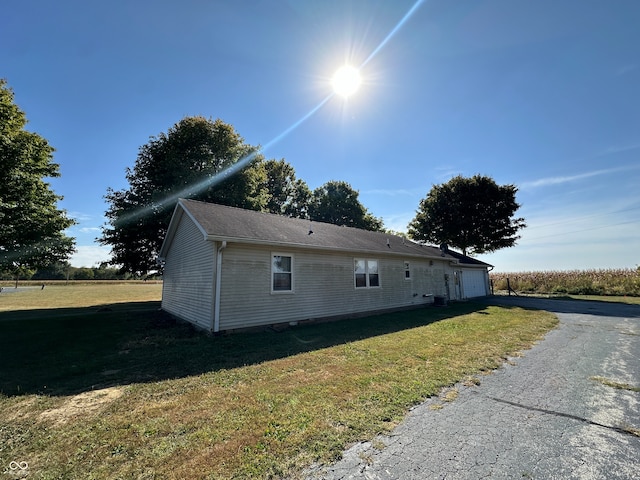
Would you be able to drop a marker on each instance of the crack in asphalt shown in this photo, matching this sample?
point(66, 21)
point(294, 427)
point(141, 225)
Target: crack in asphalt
point(565, 415)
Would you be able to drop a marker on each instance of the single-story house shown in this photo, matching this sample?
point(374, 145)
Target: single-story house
point(226, 268)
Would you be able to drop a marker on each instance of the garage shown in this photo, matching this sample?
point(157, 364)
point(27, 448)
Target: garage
point(474, 277)
point(474, 282)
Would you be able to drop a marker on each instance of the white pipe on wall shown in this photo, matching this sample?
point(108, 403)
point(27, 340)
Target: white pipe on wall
point(216, 307)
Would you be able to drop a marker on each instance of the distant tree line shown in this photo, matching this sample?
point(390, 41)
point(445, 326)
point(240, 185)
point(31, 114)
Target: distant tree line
point(64, 271)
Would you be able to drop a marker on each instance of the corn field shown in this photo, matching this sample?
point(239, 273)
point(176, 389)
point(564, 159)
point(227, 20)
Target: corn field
point(624, 281)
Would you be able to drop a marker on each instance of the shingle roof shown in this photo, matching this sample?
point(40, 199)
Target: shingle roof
point(220, 222)
point(463, 259)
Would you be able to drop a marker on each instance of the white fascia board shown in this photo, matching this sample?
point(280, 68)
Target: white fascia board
point(173, 225)
point(475, 265)
point(178, 211)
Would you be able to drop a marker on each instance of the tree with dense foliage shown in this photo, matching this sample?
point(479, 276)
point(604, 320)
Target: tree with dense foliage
point(31, 224)
point(474, 215)
point(337, 202)
point(286, 194)
point(198, 158)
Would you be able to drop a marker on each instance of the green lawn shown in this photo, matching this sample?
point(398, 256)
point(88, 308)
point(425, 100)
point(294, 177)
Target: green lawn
point(608, 298)
point(117, 390)
point(631, 300)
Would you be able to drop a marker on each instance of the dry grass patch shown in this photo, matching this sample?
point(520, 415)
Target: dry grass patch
point(616, 385)
point(450, 395)
point(259, 405)
point(471, 381)
point(81, 405)
point(632, 430)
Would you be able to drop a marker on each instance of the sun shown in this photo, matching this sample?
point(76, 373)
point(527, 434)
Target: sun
point(346, 81)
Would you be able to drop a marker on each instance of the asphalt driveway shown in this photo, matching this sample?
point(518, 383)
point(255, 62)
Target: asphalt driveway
point(545, 415)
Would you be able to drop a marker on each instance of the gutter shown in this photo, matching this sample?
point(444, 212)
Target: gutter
point(216, 306)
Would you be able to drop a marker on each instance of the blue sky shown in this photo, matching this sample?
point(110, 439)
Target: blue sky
point(542, 94)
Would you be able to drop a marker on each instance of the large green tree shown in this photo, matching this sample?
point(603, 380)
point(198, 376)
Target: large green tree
point(475, 215)
point(197, 158)
point(31, 224)
point(286, 194)
point(337, 202)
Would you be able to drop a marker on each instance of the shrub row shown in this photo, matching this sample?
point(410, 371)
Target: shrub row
point(625, 281)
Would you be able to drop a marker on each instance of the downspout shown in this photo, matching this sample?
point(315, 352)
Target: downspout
point(216, 307)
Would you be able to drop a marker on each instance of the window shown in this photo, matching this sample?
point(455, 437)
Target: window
point(281, 273)
point(366, 273)
point(407, 271)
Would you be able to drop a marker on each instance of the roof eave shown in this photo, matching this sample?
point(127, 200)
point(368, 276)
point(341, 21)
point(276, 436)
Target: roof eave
point(271, 243)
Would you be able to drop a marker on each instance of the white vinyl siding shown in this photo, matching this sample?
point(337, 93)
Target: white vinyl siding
point(188, 283)
point(324, 287)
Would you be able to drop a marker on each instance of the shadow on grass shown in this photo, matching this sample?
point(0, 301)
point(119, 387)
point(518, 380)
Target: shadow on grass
point(68, 351)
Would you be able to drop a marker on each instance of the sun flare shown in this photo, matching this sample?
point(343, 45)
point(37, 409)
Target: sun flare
point(346, 81)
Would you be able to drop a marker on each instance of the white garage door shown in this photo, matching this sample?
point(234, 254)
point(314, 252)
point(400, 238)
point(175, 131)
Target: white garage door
point(474, 283)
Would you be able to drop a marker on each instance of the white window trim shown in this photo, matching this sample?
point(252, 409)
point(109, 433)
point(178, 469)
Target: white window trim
point(282, 292)
point(366, 269)
point(407, 268)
